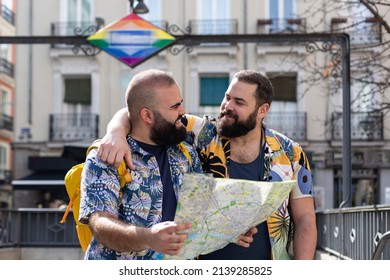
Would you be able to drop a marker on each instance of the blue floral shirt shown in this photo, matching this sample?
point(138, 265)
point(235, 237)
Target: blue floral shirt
point(139, 202)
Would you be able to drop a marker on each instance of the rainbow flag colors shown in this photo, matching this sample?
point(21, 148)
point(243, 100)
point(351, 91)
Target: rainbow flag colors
point(131, 39)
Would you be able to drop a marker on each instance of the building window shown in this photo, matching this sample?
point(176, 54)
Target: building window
point(214, 17)
point(285, 86)
point(154, 10)
point(364, 187)
point(78, 91)
point(79, 10)
point(78, 15)
point(212, 90)
point(279, 10)
point(3, 163)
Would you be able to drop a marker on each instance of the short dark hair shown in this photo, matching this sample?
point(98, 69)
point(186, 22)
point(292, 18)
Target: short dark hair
point(264, 91)
point(142, 89)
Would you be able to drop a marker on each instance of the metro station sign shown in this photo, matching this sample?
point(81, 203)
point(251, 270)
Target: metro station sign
point(131, 39)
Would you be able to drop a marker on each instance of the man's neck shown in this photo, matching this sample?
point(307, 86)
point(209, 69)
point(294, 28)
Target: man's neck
point(141, 136)
point(246, 149)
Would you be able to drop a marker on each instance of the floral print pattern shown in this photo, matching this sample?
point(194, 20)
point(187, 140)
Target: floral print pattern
point(284, 160)
point(139, 202)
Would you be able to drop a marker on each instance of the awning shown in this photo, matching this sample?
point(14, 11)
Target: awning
point(40, 180)
point(49, 172)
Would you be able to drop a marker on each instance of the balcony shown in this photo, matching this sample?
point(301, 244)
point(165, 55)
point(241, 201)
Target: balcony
point(291, 124)
point(5, 176)
point(281, 26)
point(70, 28)
point(362, 32)
point(8, 14)
point(214, 27)
point(6, 122)
point(73, 127)
point(162, 24)
point(364, 126)
point(6, 67)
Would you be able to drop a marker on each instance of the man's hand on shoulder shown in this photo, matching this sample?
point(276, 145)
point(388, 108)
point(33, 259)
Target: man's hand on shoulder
point(114, 149)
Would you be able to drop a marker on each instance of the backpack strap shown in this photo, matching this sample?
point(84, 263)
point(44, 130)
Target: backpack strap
point(183, 148)
point(123, 174)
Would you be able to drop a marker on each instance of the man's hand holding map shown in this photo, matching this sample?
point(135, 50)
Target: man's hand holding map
point(222, 209)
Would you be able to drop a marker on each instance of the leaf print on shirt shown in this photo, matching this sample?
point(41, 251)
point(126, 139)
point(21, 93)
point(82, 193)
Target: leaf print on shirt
point(278, 223)
point(212, 164)
point(140, 204)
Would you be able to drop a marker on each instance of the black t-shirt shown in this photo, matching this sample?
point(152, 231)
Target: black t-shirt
point(260, 248)
point(169, 197)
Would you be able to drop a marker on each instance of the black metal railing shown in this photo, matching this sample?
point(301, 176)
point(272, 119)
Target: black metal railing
point(162, 24)
point(8, 14)
point(355, 233)
point(291, 124)
point(36, 227)
point(5, 176)
point(6, 67)
point(364, 126)
point(69, 127)
point(72, 28)
point(358, 233)
point(6, 122)
point(281, 26)
point(213, 26)
point(362, 32)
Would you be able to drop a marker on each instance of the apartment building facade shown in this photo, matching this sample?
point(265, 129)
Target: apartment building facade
point(65, 98)
point(7, 93)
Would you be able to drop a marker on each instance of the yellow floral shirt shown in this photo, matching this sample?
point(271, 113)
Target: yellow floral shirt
point(284, 160)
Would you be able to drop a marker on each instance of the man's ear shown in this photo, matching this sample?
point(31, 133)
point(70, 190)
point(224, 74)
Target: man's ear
point(147, 116)
point(263, 111)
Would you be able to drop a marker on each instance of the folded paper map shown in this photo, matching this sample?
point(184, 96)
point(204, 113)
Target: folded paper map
point(222, 209)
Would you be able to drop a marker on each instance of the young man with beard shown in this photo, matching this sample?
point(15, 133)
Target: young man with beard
point(136, 222)
point(239, 145)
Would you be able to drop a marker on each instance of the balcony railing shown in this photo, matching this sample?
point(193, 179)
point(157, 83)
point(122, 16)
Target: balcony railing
point(162, 24)
point(72, 28)
point(364, 126)
point(5, 176)
point(349, 233)
point(362, 32)
point(8, 14)
point(6, 122)
point(214, 27)
point(292, 124)
point(6, 67)
point(281, 25)
point(69, 127)
point(36, 228)
point(354, 233)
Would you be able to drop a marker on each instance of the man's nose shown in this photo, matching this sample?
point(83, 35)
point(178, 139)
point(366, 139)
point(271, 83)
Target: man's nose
point(228, 106)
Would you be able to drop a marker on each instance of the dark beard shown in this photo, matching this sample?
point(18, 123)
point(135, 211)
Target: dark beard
point(166, 133)
point(238, 128)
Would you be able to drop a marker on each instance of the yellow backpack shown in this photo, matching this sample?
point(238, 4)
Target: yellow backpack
point(72, 185)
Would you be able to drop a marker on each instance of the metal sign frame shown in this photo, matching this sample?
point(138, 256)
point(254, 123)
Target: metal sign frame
point(314, 42)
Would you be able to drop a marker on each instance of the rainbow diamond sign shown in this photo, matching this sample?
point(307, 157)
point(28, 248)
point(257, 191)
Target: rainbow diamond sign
point(131, 39)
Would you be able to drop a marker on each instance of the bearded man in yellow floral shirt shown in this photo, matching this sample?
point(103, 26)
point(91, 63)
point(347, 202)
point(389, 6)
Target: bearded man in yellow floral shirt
point(239, 145)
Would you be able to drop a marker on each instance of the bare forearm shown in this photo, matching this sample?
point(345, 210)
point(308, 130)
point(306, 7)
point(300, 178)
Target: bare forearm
point(305, 239)
point(117, 235)
point(165, 237)
point(114, 147)
point(120, 123)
